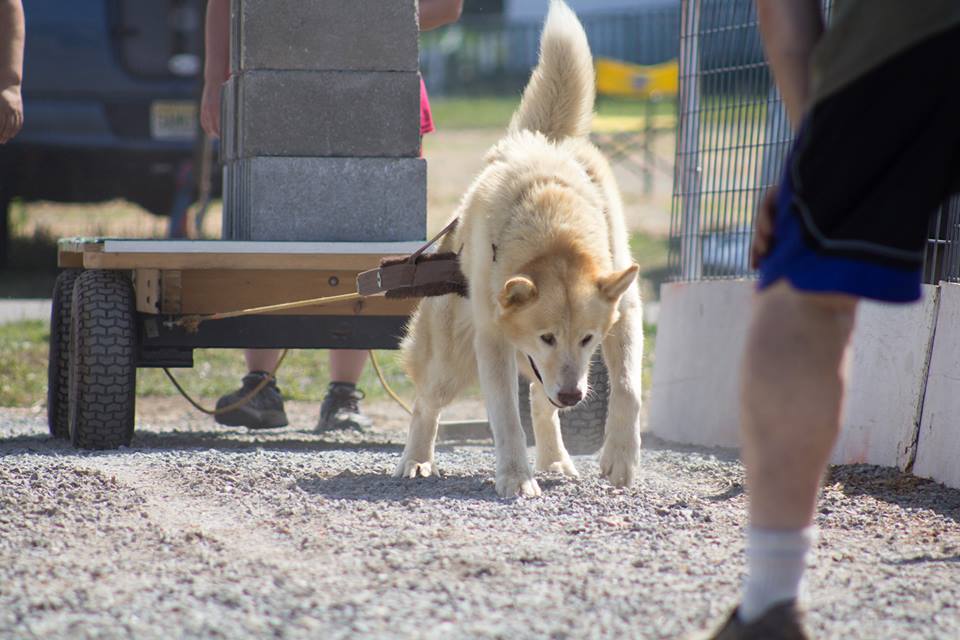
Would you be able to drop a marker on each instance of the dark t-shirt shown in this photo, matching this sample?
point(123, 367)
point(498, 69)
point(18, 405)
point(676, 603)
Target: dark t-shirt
point(865, 33)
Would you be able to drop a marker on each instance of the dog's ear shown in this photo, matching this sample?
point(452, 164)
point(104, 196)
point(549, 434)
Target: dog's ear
point(615, 284)
point(516, 292)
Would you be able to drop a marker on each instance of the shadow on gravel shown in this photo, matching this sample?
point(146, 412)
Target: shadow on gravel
point(923, 559)
point(192, 440)
point(653, 443)
point(382, 487)
point(895, 487)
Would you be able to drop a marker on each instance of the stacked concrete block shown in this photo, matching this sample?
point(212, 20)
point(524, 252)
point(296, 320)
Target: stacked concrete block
point(320, 122)
point(323, 113)
point(330, 199)
point(324, 35)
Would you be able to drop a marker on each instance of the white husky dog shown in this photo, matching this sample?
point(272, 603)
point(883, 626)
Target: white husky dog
point(544, 249)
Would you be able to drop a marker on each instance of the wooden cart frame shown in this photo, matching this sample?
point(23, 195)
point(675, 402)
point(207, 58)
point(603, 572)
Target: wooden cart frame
point(116, 304)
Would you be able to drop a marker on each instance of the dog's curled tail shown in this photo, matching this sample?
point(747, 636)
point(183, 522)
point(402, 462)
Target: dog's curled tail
point(558, 100)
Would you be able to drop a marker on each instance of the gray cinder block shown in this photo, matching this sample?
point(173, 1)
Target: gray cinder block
point(323, 113)
point(228, 120)
point(326, 199)
point(319, 35)
point(226, 217)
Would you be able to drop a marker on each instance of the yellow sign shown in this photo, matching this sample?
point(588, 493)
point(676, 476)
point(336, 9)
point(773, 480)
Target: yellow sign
point(616, 78)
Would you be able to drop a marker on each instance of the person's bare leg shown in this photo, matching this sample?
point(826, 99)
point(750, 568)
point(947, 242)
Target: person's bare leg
point(261, 359)
point(791, 401)
point(791, 398)
point(346, 365)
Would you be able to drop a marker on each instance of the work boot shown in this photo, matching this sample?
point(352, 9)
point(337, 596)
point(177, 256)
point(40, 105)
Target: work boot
point(263, 411)
point(341, 409)
point(780, 622)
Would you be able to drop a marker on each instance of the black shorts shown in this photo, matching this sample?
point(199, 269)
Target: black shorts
point(871, 163)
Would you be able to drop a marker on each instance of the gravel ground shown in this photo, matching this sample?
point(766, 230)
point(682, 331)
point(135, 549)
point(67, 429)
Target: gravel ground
point(198, 531)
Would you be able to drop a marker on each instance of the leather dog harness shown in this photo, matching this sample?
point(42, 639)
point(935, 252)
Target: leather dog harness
point(418, 275)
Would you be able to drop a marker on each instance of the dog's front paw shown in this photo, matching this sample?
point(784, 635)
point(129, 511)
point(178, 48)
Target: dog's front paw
point(513, 483)
point(620, 463)
point(564, 466)
point(413, 468)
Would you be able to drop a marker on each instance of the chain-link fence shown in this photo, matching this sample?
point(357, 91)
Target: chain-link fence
point(942, 254)
point(732, 140)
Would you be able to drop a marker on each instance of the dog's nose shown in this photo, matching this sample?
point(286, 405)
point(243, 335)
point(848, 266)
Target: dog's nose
point(570, 398)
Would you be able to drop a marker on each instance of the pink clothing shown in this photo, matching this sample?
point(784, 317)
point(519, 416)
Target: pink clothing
point(426, 118)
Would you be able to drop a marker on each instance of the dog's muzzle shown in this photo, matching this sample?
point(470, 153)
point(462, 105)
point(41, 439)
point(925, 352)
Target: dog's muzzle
point(536, 372)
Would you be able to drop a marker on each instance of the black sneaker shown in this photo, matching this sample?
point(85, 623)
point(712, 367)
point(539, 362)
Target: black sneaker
point(263, 411)
point(780, 622)
point(341, 409)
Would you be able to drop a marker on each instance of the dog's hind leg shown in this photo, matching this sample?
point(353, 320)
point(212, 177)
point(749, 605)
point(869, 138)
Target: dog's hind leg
point(417, 458)
point(438, 357)
point(551, 454)
point(623, 353)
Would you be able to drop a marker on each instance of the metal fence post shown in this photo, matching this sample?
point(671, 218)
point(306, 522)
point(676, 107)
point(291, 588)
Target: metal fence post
point(689, 141)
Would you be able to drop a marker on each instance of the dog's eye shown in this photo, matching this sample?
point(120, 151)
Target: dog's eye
point(548, 339)
point(586, 340)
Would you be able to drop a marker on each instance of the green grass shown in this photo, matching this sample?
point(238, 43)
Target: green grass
point(303, 375)
point(651, 253)
point(472, 112)
point(23, 361)
point(649, 342)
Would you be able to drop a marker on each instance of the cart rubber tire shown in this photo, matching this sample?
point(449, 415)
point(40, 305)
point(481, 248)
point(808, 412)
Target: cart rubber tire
point(582, 427)
point(58, 384)
point(103, 373)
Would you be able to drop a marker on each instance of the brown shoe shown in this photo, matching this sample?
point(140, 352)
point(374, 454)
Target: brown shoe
point(780, 622)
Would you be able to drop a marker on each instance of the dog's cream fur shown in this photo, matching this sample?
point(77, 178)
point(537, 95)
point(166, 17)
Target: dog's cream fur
point(544, 248)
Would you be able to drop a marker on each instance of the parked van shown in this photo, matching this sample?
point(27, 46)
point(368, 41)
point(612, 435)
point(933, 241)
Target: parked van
point(110, 91)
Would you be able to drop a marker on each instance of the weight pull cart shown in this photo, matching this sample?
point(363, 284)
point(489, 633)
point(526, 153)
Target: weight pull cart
point(119, 305)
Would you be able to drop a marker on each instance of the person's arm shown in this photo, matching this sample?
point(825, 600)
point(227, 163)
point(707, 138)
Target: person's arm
point(436, 13)
point(216, 64)
point(11, 68)
point(790, 29)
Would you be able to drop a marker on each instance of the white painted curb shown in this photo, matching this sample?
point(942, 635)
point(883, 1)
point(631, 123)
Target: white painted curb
point(700, 338)
point(888, 370)
point(938, 450)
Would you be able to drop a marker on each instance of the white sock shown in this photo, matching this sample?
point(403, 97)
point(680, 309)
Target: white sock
point(775, 563)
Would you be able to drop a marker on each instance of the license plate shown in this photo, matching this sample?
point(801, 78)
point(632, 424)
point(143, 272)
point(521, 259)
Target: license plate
point(173, 120)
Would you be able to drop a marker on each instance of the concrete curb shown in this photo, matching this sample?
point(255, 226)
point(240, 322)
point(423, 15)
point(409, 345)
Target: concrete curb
point(899, 372)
